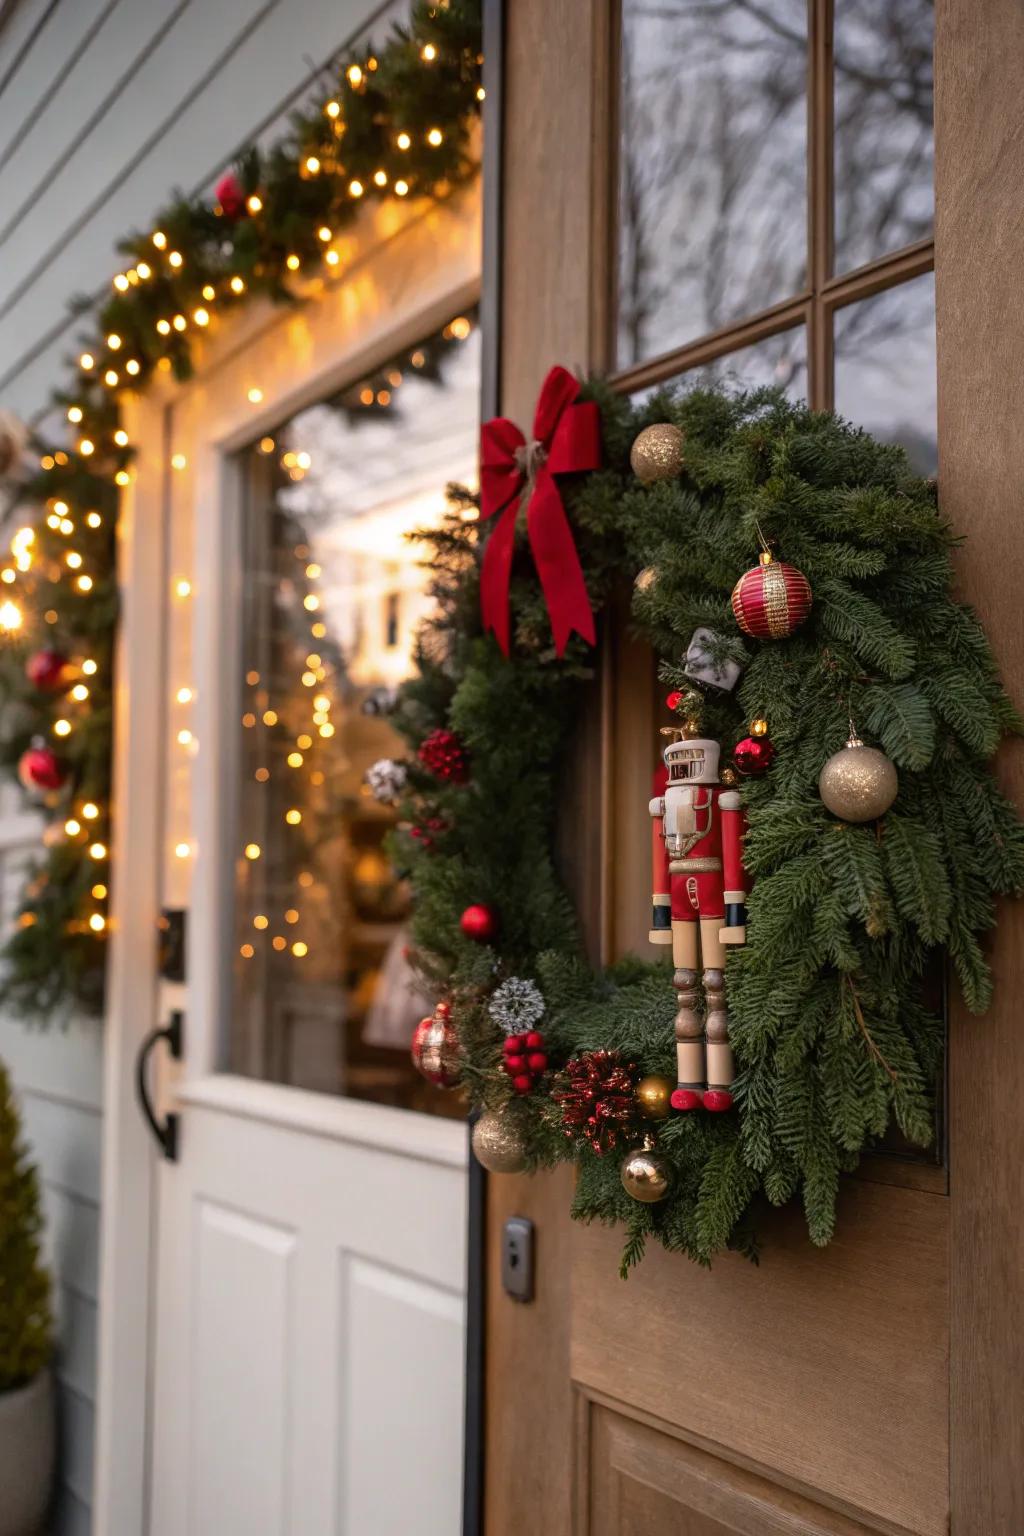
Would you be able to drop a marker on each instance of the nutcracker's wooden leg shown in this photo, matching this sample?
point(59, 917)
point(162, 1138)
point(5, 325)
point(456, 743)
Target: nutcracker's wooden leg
point(689, 1093)
point(720, 1066)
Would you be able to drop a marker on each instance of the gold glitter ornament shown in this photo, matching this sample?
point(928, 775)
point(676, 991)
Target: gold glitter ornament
point(759, 727)
point(654, 1097)
point(646, 1175)
point(497, 1144)
point(858, 783)
point(657, 453)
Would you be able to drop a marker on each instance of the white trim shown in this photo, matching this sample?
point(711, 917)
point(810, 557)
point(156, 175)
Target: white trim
point(384, 301)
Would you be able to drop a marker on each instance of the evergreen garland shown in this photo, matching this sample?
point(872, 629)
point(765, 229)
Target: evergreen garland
point(398, 122)
point(26, 1321)
point(833, 1034)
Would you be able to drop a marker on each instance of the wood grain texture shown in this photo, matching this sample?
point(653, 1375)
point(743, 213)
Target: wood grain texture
point(979, 249)
point(645, 1482)
point(828, 1366)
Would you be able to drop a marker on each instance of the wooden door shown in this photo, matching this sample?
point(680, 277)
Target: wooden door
point(822, 1391)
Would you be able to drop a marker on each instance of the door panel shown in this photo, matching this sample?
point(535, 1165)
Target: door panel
point(645, 1482)
point(825, 1365)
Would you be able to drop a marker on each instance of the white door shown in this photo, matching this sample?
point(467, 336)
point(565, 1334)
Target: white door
point(308, 1242)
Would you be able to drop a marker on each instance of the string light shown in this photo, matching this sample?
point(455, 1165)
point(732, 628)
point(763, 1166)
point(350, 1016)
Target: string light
point(435, 137)
point(179, 322)
point(99, 892)
point(291, 916)
point(74, 413)
point(132, 366)
point(144, 270)
point(86, 446)
point(84, 583)
point(62, 727)
point(121, 283)
point(401, 188)
point(176, 259)
point(332, 108)
point(184, 695)
point(299, 949)
point(354, 74)
point(87, 361)
point(428, 53)
point(184, 737)
point(312, 165)
point(159, 239)
point(89, 666)
point(266, 445)
point(237, 285)
point(292, 263)
point(404, 141)
point(332, 258)
point(209, 292)
point(122, 477)
point(110, 378)
point(72, 827)
point(183, 588)
point(90, 811)
point(270, 717)
point(121, 438)
point(293, 817)
point(201, 316)
point(246, 951)
point(295, 759)
point(255, 395)
point(178, 461)
point(79, 693)
point(252, 850)
point(259, 921)
point(254, 203)
point(355, 188)
point(279, 943)
point(164, 327)
point(324, 234)
point(304, 741)
point(114, 342)
point(97, 922)
point(380, 178)
point(311, 602)
point(97, 850)
point(182, 850)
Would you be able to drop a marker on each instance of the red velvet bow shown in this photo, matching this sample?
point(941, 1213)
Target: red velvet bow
point(566, 437)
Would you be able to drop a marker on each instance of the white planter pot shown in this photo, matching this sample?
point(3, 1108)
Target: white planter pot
point(26, 1456)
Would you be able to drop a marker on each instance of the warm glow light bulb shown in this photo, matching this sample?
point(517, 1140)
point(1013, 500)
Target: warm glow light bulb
point(72, 827)
point(132, 366)
point(401, 188)
point(293, 817)
point(184, 695)
point(10, 617)
point(79, 693)
point(89, 668)
point(87, 361)
point(254, 203)
point(61, 727)
point(255, 395)
point(237, 285)
point(428, 53)
point(324, 234)
point(97, 922)
point(98, 850)
point(164, 327)
point(333, 108)
point(144, 270)
point(299, 949)
point(90, 811)
point(252, 850)
point(182, 850)
point(183, 588)
point(184, 737)
point(209, 292)
point(114, 341)
point(176, 259)
point(201, 316)
point(74, 413)
point(159, 239)
point(312, 165)
point(179, 322)
point(292, 263)
point(435, 137)
point(84, 583)
point(403, 141)
point(121, 438)
point(86, 446)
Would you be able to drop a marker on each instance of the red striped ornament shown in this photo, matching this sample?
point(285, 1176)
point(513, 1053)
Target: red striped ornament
point(772, 600)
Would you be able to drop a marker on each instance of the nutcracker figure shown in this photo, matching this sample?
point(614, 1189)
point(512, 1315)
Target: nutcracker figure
point(700, 893)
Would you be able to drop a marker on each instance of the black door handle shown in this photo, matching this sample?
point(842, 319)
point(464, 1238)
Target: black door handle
point(172, 1032)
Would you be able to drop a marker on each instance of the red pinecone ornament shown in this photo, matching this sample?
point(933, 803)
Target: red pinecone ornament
point(598, 1102)
point(46, 670)
point(230, 193)
point(443, 754)
point(40, 769)
point(753, 755)
point(772, 600)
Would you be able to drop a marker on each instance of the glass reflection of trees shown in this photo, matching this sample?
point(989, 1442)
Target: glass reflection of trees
point(713, 155)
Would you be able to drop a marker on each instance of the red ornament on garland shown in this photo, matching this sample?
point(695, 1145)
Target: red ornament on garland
point(46, 670)
point(230, 194)
point(443, 754)
point(479, 923)
point(435, 1048)
point(597, 1095)
point(40, 769)
point(771, 600)
point(753, 755)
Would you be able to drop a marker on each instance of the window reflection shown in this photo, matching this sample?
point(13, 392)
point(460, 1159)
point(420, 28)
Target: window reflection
point(885, 368)
point(780, 361)
point(883, 127)
point(712, 177)
point(334, 591)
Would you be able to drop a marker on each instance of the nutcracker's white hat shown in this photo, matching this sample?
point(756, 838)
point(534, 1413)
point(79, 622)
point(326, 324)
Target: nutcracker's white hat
point(694, 760)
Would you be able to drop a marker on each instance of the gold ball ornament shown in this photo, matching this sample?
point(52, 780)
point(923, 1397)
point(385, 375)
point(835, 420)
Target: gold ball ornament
point(759, 727)
point(657, 453)
point(858, 783)
point(654, 1097)
point(729, 777)
point(497, 1144)
point(646, 1176)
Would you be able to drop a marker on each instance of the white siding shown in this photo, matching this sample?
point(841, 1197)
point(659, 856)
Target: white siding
point(106, 106)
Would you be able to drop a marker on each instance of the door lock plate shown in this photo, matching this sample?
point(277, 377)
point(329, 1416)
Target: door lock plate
point(517, 1258)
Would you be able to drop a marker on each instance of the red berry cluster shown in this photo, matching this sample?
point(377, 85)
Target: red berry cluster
point(598, 1100)
point(443, 755)
point(524, 1060)
point(429, 832)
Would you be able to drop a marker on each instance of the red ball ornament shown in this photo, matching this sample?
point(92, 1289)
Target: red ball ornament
point(673, 699)
point(537, 1062)
point(46, 670)
point(443, 754)
point(40, 769)
point(534, 1041)
point(435, 1048)
point(230, 194)
point(479, 923)
point(523, 1083)
point(753, 755)
point(515, 1064)
point(772, 600)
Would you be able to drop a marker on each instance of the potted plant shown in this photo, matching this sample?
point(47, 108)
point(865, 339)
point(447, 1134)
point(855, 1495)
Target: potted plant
point(26, 1336)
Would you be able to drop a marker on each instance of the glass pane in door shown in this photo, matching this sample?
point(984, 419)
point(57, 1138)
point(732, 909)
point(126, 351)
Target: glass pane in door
point(712, 167)
point(323, 996)
point(886, 371)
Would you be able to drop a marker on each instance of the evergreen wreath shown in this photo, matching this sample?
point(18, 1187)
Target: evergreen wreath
point(834, 1036)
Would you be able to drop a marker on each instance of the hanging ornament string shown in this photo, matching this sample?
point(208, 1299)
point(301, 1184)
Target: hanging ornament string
point(513, 472)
